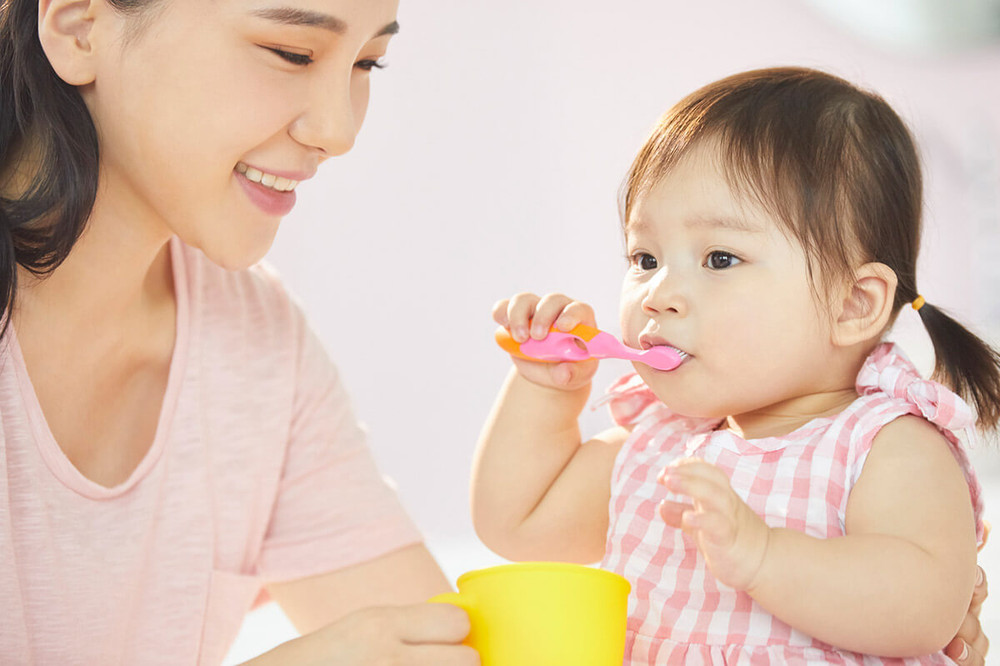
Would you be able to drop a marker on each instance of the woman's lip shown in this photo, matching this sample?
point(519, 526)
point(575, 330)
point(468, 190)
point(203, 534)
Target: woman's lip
point(268, 200)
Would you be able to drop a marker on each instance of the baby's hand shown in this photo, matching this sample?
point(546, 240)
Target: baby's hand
point(528, 315)
point(731, 537)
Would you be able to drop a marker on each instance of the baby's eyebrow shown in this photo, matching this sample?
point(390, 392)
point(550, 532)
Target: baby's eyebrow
point(639, 226)
point(729, 223)
point(312, 19)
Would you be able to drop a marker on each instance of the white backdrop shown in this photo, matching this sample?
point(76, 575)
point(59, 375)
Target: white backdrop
point(490, 163)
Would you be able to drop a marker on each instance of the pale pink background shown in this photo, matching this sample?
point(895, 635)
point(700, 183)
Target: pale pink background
point(490, 162)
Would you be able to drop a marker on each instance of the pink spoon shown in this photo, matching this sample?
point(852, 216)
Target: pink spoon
point(586, 342)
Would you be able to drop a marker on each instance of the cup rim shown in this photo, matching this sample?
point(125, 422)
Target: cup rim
point(566, 567)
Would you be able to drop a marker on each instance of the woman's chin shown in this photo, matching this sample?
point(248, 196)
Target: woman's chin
point(233, 257)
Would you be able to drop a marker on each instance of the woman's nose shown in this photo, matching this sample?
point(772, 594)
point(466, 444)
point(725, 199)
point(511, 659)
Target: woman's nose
point(664, 294)
point(331, 119)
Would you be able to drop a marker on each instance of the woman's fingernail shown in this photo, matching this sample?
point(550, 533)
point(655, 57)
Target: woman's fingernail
point(965, 652)
point(980, 576)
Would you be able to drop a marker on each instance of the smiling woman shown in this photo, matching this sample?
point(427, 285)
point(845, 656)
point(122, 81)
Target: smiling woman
point(174, 440)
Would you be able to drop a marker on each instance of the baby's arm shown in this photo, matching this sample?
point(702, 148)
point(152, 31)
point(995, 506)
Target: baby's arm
point(899, 582)
point(538, 492)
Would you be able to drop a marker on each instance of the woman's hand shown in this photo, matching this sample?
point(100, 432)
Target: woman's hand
point(970, 646)
point(417, 635)
point(730, 536)
point(530, 316)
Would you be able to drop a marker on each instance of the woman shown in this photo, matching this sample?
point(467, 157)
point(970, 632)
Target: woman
point(173, 436)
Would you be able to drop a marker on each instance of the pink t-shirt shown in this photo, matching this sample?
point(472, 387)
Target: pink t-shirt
point(258, 472)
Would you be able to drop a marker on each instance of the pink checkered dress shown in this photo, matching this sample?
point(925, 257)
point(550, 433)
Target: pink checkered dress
point(678, 612)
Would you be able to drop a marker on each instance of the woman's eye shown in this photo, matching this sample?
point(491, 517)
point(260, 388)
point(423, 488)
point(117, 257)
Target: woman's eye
point(369, 64)
point(300, 59)
point(718, 260)
point(644, 261)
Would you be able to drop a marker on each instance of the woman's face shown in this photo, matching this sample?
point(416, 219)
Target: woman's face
point(211, 113)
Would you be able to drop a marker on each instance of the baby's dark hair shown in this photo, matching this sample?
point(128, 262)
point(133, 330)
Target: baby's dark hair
point(839, 169)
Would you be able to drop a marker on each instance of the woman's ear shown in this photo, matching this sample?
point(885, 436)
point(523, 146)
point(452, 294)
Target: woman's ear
point(65, 29)
point(866, 306)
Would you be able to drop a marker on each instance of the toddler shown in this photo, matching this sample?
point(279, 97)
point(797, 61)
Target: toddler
point(794, 492)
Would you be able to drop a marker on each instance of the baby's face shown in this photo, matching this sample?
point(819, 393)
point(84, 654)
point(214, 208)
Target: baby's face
point(712, 274)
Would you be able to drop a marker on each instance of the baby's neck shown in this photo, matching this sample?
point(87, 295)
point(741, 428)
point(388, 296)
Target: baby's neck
point(789, 415)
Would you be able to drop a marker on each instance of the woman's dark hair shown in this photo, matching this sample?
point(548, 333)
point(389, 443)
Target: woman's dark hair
point(838, 168)
point(48, 153)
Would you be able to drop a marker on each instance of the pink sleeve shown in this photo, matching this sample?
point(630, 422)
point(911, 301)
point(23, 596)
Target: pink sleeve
point(333, 507)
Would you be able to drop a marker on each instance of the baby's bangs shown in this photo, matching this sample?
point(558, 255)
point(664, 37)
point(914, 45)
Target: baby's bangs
point(783, 142)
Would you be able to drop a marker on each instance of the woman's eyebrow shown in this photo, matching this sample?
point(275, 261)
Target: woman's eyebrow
point(311, 19)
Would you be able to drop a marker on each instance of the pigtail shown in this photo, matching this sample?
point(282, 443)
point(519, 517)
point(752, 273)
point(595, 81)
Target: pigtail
point(965, 363)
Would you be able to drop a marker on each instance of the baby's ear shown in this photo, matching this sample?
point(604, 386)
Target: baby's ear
point(865, 307)
point(65, 31)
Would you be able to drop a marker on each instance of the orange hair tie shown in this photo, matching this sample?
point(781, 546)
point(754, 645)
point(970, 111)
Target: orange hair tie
point(918, 302)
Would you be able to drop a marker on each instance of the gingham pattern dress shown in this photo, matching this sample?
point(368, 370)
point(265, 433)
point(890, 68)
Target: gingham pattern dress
point(678, 612)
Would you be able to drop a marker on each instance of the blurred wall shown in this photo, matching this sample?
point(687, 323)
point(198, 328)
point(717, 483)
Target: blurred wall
point(490, 163)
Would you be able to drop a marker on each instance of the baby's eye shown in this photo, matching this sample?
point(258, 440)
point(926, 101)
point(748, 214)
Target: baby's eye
point(643, 261)
point(718, 260)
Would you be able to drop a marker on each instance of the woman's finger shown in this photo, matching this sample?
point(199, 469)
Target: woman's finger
point(980, 592)
point(970, 645)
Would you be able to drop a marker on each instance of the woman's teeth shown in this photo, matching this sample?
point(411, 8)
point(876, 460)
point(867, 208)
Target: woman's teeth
point(268, 180)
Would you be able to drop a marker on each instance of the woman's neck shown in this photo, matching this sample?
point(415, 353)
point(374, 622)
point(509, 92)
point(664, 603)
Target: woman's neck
point(118, 271)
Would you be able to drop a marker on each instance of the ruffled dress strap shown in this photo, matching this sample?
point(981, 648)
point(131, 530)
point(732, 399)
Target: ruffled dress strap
point(889, 372)
point(629, 400)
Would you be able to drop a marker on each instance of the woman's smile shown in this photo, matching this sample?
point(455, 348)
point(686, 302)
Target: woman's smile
point(272, 193)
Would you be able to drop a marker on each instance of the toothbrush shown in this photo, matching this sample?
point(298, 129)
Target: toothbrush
point(585, 342)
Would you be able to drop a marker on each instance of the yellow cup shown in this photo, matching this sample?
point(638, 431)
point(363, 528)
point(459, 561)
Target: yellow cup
point(544, 614)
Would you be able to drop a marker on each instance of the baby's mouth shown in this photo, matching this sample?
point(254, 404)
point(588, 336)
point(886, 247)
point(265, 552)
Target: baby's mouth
point(652, 341)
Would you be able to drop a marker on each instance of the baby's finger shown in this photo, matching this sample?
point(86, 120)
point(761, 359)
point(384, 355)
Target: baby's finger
point(696, 467)
point(573, 374)
point(499, 312)
point(673, 512)
point(574, 314)
point(546, 312)
point(520, 311)
point(696, 476)
point(713, 526)
point(707, 494)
